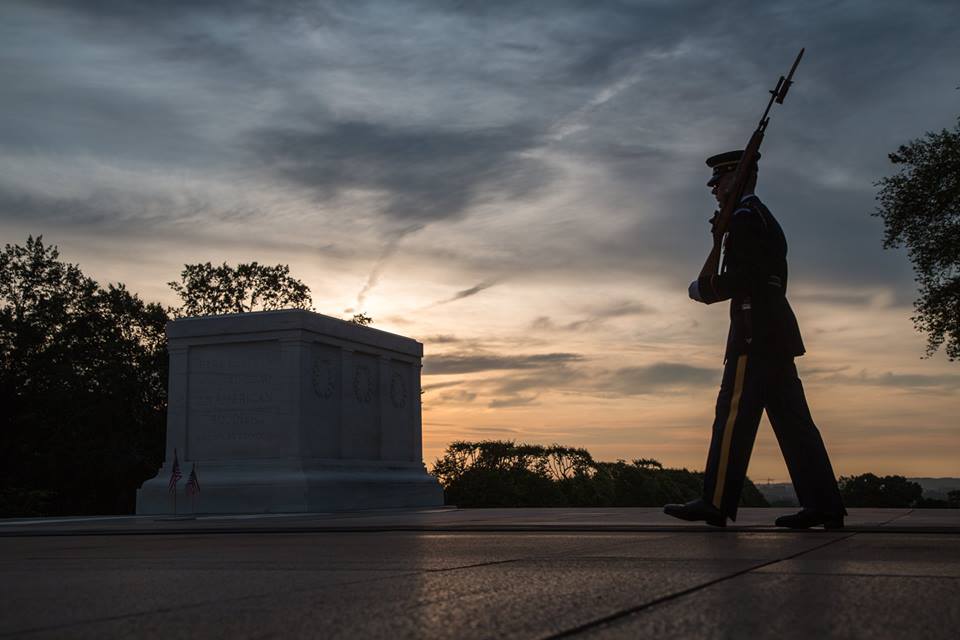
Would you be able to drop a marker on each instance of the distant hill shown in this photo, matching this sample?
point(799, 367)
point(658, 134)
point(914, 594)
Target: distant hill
point(781, 494)
point(936, 488)
point(778, 494)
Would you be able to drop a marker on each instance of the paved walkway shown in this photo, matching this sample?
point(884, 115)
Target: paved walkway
point(445, 573)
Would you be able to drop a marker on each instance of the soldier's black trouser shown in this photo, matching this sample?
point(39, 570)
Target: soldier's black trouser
point(752, 383)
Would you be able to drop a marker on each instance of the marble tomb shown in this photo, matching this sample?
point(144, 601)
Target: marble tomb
point(291, 411)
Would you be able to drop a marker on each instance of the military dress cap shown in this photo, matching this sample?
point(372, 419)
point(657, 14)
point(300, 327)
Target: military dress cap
point(723, 163)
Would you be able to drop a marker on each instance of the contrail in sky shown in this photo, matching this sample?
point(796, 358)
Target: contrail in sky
point(466, 293)
point(388, 250)
point(573, 121)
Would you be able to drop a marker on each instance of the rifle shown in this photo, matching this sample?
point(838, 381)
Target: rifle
point(721, 219)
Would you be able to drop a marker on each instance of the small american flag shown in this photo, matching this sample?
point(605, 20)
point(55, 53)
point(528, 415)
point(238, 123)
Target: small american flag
point(193, 483)
point(175, 475)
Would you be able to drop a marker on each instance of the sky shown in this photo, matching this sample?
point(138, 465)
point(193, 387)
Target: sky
point(518, 185)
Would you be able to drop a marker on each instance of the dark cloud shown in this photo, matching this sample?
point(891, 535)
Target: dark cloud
point(427, 174)
point(472, 363)
point(114, 208)
point(104, 81)
point(493, 430)
point(596, 317)
point(466, 293)
point(537, 373)
point(459, 396)
point(543, 323)
point(513, 401)
point(940, 383)
point(555, 378)
point(831, 233)
point(441, 385)
point(623, 308)
point(811, 372)
point(53, 113)
point(443, 338)
point(659, 377)
point(845, 298)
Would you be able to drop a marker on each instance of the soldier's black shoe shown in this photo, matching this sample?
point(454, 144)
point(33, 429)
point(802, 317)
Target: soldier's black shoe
point(810, 518)
point(696, 510)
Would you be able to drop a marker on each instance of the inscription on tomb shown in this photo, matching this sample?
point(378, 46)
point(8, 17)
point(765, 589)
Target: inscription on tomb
point(234, 401)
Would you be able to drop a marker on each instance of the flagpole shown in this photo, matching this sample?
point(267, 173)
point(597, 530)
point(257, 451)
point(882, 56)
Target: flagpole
point(193, 488)
point(174, 477)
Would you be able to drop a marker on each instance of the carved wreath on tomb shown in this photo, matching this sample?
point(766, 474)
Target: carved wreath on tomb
point(324, 382)
point(363, 384)
point(398, 391)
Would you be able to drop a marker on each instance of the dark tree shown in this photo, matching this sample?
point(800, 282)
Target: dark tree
point(208, 290)
point(82, 385)
point(869, 490)
point(953, 498)
point(920, 208)
point(361, 319)
point(496, 473)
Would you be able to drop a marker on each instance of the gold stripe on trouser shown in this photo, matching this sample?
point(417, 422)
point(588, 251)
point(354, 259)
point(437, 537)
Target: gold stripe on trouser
point(728, 431)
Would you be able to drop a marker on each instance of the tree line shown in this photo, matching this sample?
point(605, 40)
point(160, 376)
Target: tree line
point(869, 490)
point(499, 473)
point(503, 473)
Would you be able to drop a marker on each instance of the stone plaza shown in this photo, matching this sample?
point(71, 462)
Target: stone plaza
point(480, 573)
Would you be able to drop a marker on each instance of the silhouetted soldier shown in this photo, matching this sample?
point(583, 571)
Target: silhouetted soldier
point(759, 371)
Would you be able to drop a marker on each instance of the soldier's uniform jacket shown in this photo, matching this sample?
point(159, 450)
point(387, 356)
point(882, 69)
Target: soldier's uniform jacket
point(754, 279)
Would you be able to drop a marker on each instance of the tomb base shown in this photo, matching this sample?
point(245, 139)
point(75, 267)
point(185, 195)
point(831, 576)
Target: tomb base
point(317, 486)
